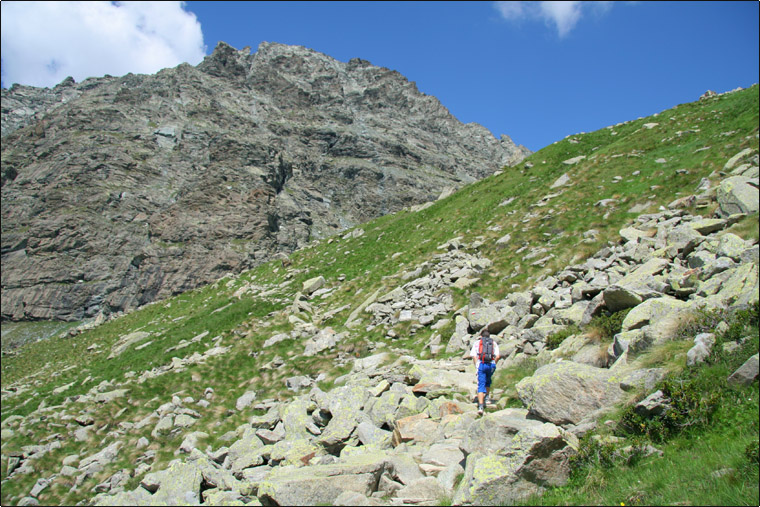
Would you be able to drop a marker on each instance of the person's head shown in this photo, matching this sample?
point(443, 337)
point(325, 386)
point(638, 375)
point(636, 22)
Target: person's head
point(485, 333)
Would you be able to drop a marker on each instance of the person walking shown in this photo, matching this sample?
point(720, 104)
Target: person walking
point(485, 355)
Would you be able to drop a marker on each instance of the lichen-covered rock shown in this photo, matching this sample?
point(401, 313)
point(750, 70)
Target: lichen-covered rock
point(178, 484)
point(245, 400)
point(537, 456)
point(652, 312)
point(369, 434)
point(425, 489)
point(417, 428)
point(345, 403)
point(313, 284)
point(618, 298)
point(322, 484)
point(567, 392)
point(738, 194)
point(268, 420)
point(391, 405)
point(298, 452)
point(244, 453)
point(493, 432)
point(741, 286)
point(642, 281)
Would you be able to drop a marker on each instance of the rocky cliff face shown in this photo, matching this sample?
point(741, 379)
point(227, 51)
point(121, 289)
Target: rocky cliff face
point(120, 191)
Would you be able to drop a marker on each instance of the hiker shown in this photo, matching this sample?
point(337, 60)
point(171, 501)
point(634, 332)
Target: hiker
point(485, 354)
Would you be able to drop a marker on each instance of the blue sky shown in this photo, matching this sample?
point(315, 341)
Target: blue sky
point(536, 71)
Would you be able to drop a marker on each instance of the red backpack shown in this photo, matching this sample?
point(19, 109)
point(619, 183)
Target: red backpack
point(485, 350)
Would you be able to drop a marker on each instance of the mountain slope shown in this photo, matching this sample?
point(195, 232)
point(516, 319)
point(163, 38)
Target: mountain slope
point(120, 191)
point(507, 241)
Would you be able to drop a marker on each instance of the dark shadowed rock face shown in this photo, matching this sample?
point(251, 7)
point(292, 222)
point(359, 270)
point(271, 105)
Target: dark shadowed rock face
point(120, 191)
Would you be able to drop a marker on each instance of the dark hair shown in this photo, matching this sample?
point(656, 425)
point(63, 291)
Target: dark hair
point(485, 333)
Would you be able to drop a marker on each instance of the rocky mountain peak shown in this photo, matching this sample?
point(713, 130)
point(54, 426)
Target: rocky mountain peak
point(226, 61)
point(118, 191)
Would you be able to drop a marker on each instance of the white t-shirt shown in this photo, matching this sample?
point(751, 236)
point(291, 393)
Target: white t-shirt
point(475, 352)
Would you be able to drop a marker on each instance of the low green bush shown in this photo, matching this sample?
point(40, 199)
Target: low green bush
point(696, 393)
point(592, 452)
point(595, 452)
point(609, 324)
point(555, 339)
point(692, 404)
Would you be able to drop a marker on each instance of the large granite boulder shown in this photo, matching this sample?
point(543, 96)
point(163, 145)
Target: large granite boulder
point(567, 393)
point(535, 457)
point(322, 484)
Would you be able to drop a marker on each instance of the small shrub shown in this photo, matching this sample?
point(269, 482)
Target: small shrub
point(555, 339)
point(701, 321)
point(592, 452)
point(607, 326)
point(741, 323)
point(693, 402)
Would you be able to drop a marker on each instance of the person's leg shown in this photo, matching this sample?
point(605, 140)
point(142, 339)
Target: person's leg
point(481, 387)
point(489, 375)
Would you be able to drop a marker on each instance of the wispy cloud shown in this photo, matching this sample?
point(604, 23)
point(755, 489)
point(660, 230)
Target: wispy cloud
point(44, 42)
point(562, 15)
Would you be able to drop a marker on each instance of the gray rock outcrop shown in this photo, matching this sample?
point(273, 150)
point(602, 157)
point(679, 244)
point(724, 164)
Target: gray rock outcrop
point(120, 191)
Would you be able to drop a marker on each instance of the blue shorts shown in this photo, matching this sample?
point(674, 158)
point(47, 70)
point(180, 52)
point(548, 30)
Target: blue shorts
point(485, 370)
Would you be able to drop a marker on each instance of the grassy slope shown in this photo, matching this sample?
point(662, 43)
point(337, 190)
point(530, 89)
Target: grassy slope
point(709, 452)
point(723, 125)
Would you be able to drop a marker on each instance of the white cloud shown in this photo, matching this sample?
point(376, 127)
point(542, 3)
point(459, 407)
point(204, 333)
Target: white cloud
point(563, 15)
point(44, 42)
point(511, 10)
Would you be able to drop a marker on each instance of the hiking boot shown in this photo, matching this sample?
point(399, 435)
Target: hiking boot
point(486, 401)
point(481, 408)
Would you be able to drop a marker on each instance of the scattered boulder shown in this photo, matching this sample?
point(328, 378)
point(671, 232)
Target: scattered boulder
point(738, 194)
point(323, 484)
point(656, 404)
point(536, 457)
point(566, 392)
point(313, 284)
point(245, 400)
point(747, 373)
point(125, 341)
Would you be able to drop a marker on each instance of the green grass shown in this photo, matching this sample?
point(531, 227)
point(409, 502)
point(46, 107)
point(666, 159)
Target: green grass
point(367, 263)
point(17, 334)
point(509, 377)
point(683, 476)
point(709, 451)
